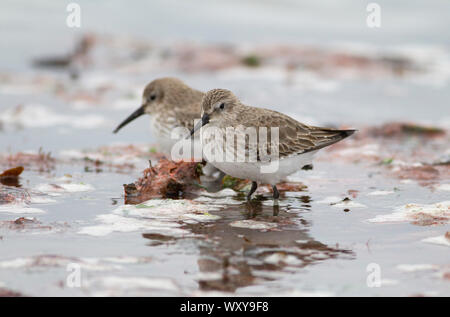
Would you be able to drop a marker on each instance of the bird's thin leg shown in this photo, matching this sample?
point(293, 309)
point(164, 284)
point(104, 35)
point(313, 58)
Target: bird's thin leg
point(276, 193)
point(252, 190)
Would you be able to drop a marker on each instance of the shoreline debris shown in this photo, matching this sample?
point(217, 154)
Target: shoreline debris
point(168, 179)
point(10, 177)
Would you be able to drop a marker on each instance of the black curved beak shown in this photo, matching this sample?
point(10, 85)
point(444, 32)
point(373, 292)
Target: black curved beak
point(139, 112)
point(201, 123)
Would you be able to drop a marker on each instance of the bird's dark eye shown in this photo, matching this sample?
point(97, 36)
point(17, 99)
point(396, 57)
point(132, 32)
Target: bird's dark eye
point(153, 97)
point(222, 105)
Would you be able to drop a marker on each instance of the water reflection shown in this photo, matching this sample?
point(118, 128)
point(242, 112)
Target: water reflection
point(10, 181)
point(234, 257)
point(9, 194)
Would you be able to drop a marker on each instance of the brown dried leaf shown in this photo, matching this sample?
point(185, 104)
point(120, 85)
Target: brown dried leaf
point(12, 172)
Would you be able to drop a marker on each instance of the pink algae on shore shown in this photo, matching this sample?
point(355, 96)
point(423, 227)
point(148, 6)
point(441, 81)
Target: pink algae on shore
point(418, 214)
point(41, 161)
point(118, 157)
point(24, 224)
point(404, 150)
point(141, 56)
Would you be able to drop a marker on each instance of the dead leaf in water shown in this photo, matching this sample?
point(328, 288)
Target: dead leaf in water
point(12, 172)
point(10, 177)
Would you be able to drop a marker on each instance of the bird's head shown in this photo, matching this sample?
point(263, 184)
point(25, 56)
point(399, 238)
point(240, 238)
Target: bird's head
point(217, 105)
point(162, 91)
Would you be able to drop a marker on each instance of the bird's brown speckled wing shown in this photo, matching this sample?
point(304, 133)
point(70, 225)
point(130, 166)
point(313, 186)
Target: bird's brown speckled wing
point(295, 137)
point(185, 116)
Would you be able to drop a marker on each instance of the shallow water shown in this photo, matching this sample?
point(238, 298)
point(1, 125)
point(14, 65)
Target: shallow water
point(314, 243)
point(310, 247)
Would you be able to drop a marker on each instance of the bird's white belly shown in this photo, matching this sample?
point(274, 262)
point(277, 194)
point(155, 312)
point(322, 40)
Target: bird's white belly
point(266, 173)
point(224, 157)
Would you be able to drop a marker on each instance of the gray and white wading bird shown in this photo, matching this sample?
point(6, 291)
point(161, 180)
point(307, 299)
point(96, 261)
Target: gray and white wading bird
point(279, 145)
point(171, 104)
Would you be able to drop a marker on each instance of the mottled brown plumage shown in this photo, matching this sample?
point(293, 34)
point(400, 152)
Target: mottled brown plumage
point(171, 104)
point(295, 137)
point(173, 100)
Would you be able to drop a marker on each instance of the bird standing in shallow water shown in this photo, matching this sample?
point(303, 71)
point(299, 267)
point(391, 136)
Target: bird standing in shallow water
point(275, 145)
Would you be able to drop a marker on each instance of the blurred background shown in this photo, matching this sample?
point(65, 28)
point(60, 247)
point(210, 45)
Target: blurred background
point(249, 21)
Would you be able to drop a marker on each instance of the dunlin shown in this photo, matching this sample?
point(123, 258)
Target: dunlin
point(280, 146)
point(170, 104)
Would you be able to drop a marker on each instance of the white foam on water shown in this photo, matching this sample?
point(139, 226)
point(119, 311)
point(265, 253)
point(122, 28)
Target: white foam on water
point(440, 240)
point(87, 263)
point(444, 187)
point(226, 192)
point(39, 261)
point(412, 212)
point(62, 188)
point(127, 259)
point(165, 209)
point(38, 116)
point(15, 263)
point(319, 256)
point(19, 208)
point(281, 258)
point(163, 216)
point(203, 217)
point(76, 188)
point(110, 223)
point(329, 200)
point(380, 193)
point(253, 224)
point(416, 267)
point(349, 204)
